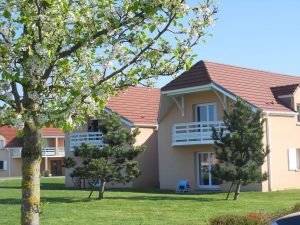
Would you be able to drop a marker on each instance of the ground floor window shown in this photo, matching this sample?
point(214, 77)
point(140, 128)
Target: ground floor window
point(206, 162)
point(294, 158)
point(3, 165)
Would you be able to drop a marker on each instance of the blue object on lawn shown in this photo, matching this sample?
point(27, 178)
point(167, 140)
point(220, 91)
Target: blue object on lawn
point(183, 186)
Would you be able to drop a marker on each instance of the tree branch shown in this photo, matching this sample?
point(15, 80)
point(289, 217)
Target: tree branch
point(16, 96)
point(141, 52)
point(95, 36)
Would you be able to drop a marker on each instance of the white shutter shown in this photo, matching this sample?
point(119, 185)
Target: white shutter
point(292, 159)
point(5, 165)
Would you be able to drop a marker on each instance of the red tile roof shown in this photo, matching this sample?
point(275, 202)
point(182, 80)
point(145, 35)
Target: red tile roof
point(11, 139)
point(137, 104)
point(254, 86)
point(51, 131)
point(10, 135)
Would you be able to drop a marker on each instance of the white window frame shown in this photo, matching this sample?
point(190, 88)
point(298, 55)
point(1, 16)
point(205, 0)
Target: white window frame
point(294, 159)
point(298, 110)
point(5, 163)
point(207, 111)
point(4, 141)
point(206, 187)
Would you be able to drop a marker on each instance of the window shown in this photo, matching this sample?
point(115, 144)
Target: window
point(3, 165)
point(206, 162)
point(294, 159)
point(94, 126)
point(298, 110)
point(2, 142)
point(206, 112)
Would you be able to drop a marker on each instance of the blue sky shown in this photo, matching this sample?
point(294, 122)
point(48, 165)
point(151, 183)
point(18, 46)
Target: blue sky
point(259, 34)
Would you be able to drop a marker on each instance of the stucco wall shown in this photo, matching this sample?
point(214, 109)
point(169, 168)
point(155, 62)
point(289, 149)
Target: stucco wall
point(179, 162)
point(147, 160)
point(14, 166)
point(284, 134)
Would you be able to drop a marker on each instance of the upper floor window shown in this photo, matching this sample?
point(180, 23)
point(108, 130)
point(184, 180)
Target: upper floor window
point(206, 112)
point(298, 110)
point(93, 126)
point(2, 142)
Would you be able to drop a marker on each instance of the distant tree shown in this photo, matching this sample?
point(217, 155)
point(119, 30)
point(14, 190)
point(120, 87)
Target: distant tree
point(115, 162)
point(240, 151)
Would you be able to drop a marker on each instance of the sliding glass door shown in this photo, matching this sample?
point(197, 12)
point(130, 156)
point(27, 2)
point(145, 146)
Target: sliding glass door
point(205, 164)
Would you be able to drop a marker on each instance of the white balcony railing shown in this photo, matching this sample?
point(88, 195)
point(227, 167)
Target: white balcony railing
point(53, 151)
point(95, 138)
point(16, 152)
point(46, 151)
point(195, 132)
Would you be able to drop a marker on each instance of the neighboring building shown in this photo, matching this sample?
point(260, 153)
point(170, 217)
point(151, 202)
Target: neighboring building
point(53, 152)
point(137, 107)
point(195, 101)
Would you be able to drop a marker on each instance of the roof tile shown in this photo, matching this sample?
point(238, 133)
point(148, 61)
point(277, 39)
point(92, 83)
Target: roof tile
point(254, 86)
point(137, 104)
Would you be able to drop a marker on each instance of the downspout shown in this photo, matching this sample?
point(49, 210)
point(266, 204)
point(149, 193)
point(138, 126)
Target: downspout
point(269, 156)
point(8, 161)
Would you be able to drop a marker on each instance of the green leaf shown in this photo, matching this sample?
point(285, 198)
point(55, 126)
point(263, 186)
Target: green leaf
point(30, 52)
point(6, 14)
point(152, 54)
point(188, 64)
point(48, 1)
point(152, 28)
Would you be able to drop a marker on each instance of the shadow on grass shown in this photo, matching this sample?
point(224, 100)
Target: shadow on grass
point(15, 201)
point(44, 186)
point(165, 198)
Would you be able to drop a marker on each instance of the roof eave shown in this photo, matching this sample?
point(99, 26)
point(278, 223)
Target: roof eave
point(280, 113)
point(180, 91)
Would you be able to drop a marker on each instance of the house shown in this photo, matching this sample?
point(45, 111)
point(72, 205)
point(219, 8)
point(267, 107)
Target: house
point(195, 101)
point(137, 107)
point(53, 152)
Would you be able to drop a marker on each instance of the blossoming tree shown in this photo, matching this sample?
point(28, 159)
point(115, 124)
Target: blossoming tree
point(61, 59)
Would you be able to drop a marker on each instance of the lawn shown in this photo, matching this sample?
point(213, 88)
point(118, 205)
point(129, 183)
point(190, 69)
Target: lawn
point(127, 206)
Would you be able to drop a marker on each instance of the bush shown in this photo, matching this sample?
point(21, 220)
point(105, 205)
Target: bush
point(253, 218)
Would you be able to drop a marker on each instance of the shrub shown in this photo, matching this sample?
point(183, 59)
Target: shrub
point(253, 218)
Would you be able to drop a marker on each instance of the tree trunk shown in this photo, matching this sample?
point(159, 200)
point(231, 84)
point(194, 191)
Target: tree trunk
point(229, 190)
point(93, 188)
point(101, 189)
point(237, 191)
point(31, 155)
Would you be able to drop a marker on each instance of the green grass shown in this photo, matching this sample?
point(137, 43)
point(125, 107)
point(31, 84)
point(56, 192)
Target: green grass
point(127, 206)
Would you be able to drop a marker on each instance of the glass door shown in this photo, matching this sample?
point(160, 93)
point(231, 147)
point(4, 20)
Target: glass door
point(205, 164)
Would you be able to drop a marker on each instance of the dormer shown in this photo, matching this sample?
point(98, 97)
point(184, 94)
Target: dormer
point(285, 95)
point(288, 95)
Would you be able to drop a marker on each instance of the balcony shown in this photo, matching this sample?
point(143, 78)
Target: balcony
point(53, 151)
point(195, 132)
point(46, 152)
point(94, 138)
